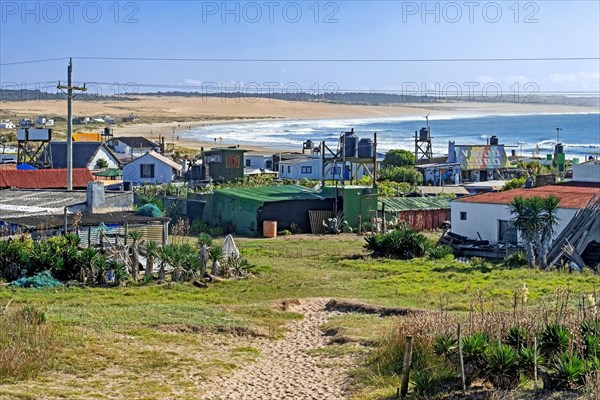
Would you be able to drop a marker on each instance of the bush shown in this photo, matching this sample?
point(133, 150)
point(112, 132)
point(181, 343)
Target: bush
point(515, 183)
point(404, 244)
point(501, 364)
point(439, 252)
point(554, 340)
point(27, 344)
point(516, 260)
point(401, 174)
point(568, 371)
point(399, 158)
point(149, 210)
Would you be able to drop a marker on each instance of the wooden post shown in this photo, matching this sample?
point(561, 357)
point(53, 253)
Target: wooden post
point(383, 227)
point(66, 221)
point(460, 359)
point(535, 366)
point(126, 232)
point(359, 232)
point(406, 366)
point(90, 236)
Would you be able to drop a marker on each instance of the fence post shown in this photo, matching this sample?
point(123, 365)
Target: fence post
point(535, 366)
point(359, 232)
point(460, 359)
point(408, 347)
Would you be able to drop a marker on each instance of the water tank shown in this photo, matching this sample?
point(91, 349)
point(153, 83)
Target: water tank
point(494, 141)
point(560, 148)
point(424, 134)
point(350, 143)
point(365, 148)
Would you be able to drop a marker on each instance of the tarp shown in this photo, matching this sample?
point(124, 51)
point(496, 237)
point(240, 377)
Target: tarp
point(229, 248)
point(25, 167)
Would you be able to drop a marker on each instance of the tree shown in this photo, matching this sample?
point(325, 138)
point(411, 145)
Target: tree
point(536, 219)
point(101, 163)
point(215, 254)
point(399, 158)
point(164, 256)
point(151, 256)
point(401, 174)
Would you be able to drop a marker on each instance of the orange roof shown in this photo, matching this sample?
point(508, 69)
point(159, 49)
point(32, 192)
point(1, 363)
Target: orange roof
point(87, 137)
point(44, 179)
point(571, 195)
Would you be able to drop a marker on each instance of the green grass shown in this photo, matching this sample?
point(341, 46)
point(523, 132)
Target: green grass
point(155, 341)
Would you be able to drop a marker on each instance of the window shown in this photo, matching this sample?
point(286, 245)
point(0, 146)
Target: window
point(507, 233)
point(147, 171)
point(463, 215)
point(269, 164)
point(289, 170)
point(282, 169)
point(306, 170)
point(248, 163)
point(337, 170)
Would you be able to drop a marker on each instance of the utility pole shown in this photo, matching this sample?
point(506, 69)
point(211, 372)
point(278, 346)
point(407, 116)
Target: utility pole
point(70, 89)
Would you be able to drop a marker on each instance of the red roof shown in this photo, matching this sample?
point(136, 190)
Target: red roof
point(44, 179)
point(571, 195)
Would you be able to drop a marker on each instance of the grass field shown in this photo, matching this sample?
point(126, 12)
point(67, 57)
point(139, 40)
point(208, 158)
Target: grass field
point(162, 341)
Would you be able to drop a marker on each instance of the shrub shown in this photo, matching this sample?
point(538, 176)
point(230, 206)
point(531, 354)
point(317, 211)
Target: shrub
point(399, 158)
point(149, 210)
point(515, 183)
point(527, 360)
point(501, 366)
point(439, 252)
point(401, 174)
point(517, 337)
point(404, 244)
point(27, 344)
point(554, 340)
point(516, 260)
point(204, 239)
point(568, 371)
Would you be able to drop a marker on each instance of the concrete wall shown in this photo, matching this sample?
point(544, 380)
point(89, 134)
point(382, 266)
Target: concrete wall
point(587, 172)
point(483, 219)
point(255, 161)
point(163, 173)
point(98, 201)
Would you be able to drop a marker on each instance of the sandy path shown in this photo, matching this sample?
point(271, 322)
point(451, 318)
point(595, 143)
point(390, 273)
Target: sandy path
point(285, 370)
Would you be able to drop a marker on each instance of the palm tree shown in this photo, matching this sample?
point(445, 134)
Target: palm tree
point(151, 255)
point(535, 218)
point(215, 254)
point(136, 236)
point(164, 257)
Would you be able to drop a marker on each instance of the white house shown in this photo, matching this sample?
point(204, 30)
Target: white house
point(310, 168)
point(135, 146)
point(151, 168)
point(587, 172)
point(7, 124)
point(258, 161)
point(487, 216)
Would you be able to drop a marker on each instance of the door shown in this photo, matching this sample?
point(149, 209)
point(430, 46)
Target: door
point(507, 233)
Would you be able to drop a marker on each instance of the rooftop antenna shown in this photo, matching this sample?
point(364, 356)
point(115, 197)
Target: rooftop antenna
point(427, 120)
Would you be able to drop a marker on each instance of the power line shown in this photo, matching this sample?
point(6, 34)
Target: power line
point(315, 60)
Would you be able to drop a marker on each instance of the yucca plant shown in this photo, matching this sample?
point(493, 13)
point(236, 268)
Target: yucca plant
point(423, 383)
point(445, 345)
point(568, 371)
point(501, 366)
point(474, 348)
point(527, 360)
point(516, 337)
point(136, 236)
point(554, 340)
point(590, 327)
point(151, 256)
point(592, 345)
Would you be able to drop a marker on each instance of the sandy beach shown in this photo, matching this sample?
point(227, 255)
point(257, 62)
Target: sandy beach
point(182, 113)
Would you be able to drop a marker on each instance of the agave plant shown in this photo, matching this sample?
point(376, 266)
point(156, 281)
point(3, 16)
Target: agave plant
point(568, 371)
point(474, 348)
point(215, 254)
point(516, 337)
point(554, 340)
point(592, 345)
point(136, 236)
point(151, 256)
point(445, 345)
point(423, 383)
point(590, 327)
point(527, 360)
point(501, 366)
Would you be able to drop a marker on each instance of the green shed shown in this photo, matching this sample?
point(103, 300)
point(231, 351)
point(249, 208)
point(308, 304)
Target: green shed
point(247, 208)
point(356, 201)
point(224, 164)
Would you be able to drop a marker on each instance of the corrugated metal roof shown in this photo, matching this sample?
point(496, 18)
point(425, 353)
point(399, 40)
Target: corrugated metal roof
point(44, 178)
point(571, 195)
point(266, 194)
point(55, 221)
point(458, 190)
point(397, 204)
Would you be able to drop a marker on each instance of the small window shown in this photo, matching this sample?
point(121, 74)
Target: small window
point(306, 170)
point(282, 169)
point(289, 170)
point(248, 163)
point(232, 161)
point(463, 215)
point(147, 171)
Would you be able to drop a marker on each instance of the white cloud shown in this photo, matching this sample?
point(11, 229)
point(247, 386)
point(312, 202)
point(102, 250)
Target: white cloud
point(194, 82)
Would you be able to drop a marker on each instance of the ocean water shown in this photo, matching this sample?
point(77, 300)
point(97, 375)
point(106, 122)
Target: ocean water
point(527, 134)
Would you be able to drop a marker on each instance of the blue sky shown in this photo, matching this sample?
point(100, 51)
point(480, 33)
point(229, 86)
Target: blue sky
point(294, 30)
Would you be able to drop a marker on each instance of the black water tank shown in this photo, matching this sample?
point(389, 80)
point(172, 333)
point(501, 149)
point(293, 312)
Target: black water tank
point(365, 148)
point(424, 134)
point(350, 143)
point(198, 173)
point(494, 141)
point(560, 148)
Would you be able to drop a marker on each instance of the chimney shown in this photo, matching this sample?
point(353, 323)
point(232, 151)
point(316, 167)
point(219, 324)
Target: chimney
point(95, 196)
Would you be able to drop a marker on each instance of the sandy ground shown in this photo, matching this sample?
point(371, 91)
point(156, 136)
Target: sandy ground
point(183, 112)
point(285, 370)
